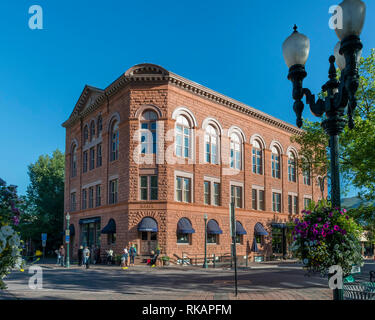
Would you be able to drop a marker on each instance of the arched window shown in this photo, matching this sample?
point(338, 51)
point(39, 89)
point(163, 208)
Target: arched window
point(85, 134)
point(148, 132)
point(100, 125)
point(114, 141)
point(92, 130)
point(276, 163)
point(183, 137)
point(257, 158)
point(235, 152)
point(211, 143)
point(74, 161)
point(292, 167)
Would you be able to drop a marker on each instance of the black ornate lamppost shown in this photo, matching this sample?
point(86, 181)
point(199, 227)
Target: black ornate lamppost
point(340, 100)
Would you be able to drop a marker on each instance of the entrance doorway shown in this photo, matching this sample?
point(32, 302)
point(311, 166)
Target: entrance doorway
point(90, 233)
point(149, 242)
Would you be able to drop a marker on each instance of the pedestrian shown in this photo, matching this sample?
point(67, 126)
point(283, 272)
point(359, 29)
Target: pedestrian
point(124, 258)
point(86, 256)
point(80, 255)
point(62, 254)
point(132, 254)
point(58, 262)
point(110, 256)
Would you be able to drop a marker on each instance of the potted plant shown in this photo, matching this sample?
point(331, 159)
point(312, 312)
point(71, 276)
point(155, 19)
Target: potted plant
point(165, 260)
point(326, 237)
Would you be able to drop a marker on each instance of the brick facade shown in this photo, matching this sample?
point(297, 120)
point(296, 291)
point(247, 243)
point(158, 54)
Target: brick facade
point(149, 87)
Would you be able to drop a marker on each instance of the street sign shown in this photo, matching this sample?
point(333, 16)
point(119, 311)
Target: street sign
point(67, 238)
point(44, 242)
point(44, 236)
point(67, 232)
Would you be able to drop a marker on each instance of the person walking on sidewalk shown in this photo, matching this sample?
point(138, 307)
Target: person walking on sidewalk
point(80, 255)
point(86, 256)
point(124, 258)
point(132, 254)
point(58, 262)
point(62, 254)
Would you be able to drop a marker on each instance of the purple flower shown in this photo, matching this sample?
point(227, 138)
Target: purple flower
point(344, 210)
point(336, 228)
point(347, 218)
point(330, 214)
point(16, 220)
point(296, 221)
point(319, 219)
point(344, 232)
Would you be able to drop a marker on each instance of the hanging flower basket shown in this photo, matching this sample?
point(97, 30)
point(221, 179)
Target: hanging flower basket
point(325, 237)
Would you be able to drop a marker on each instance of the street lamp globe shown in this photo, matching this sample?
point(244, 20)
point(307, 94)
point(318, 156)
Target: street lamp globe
point(353, 18)
point(296, 49)
point(205, 216)
point(340, 59)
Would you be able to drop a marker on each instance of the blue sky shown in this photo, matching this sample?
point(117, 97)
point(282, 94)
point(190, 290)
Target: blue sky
point(231, 47)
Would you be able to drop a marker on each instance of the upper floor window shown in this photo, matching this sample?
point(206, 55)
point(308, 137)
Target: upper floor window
point(183, 189)
point(85, 161)
point(236, 196)
point(211, 143)
point(85, 134)
point(258, 199)
point(276, 163)
point(98, 196)
point(257, 158)
point(114, 141)
point(84, 199)
point(73, 202)
point(92, 130)
point(307, 177)
point(91, 197)
point(99, 158)
point(74, 161)
point(292, 167)
point(207, 192)
point(183, 137)
point(113, 191)
point(276, 202)
point(100, 125)
point(149, 188)
point(92, 158)
point(235, 152)
point(148, 132)
point(292, 204)
point(307, 203)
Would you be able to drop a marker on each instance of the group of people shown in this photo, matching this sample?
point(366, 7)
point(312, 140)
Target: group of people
point(127, 258)
point(128, 253)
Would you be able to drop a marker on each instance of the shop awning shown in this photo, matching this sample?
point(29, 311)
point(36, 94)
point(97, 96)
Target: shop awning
point(259, 230)
point(148, 224)
point(110, 227)
point(213, 227)
point(184, 226)
point(254, 247)
point(240, 229)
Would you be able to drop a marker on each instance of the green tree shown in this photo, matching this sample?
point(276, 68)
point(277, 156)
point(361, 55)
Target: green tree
point(44, 203)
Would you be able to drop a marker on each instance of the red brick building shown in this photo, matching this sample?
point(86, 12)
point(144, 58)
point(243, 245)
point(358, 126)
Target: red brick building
point(150, 155)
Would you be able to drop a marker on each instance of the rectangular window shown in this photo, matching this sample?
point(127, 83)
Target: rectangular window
point(113, 191)
point(149, 188)
point(84, 199)
point(212, 238)
point(290, 204)
point(216, 194)
point(99, 157)
point(91, 197)
point(261, 200)
point(73, 202)
point(183, 238)
point(92, 158)
point(85, 160)
point(98, 197)
point(306, 177)
point(257, 161)
point(207, 192)
point(307, 203)
point(255, 199)
point(295, 204)
point(276, 202)
point(183, 189)
point(236, 196)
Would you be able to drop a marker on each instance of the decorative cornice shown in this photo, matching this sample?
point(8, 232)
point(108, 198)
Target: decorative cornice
point(154, 73)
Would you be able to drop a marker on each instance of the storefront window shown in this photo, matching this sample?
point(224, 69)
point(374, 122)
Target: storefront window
point(277, 240)
point(183, 238)
point(212, 238)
